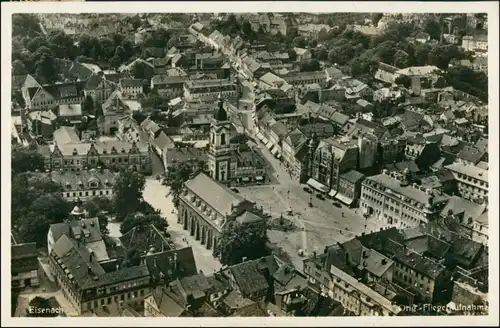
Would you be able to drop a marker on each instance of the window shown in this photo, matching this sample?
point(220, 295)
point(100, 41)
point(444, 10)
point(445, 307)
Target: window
point(109, 300)
point(102, 301)
point(122, 297)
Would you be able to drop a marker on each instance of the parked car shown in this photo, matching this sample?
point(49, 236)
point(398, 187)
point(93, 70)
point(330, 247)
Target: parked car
point(307, 190)
point(235, 190)
point(320, 196)
point(337, 204)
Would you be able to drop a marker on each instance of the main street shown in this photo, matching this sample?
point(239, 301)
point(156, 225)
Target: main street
point(159, 197)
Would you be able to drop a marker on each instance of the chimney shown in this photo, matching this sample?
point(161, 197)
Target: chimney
point(91, 256)
point(244, 259)
point(384, 261)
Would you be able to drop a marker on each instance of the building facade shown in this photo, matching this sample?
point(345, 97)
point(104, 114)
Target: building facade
point(84, 184)
point(206, 205)
point(75, 157)
point(472, 181)
point(24, 265)
point(390, 198)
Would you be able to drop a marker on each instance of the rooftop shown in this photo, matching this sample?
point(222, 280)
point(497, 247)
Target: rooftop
point(469, 170)
point(219, 196)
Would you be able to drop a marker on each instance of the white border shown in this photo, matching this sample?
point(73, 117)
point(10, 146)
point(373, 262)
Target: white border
point(491, 8)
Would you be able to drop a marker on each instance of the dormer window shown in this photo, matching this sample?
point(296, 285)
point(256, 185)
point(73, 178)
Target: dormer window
point(75, 152)
point(123, 151)
point(80, 183)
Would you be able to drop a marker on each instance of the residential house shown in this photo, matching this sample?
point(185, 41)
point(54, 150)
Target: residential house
point(475, 43)
point(169, 86)
point(386, 73)
point(84, 184)
point(332, 158)
point(70, 113)
point(312, 30)
point(304, 78)
point(197, 89)
point(349, 189)
point(302, 54)
point(472, 181)
point(293, 147)
point(24, 265)
point(42, 123)
point(480, 64)
point(114, 108)
point(147, 68)
point(422, 37)
point(50, 96)
point(131, 88)
point(354, 89)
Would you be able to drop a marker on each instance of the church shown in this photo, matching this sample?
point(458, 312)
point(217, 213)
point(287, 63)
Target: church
point(232, 160)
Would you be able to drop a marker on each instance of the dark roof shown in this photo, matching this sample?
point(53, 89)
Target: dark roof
point(24, 258)
point(183, 154)
point(252, 310)
point(353, 176)
point(176, 263)
point(130, 83)
point(143, 238)
point(248, 217)
point(220, 113)
point(471, 154)
point(401, 166)
point(249, 276)
point(167, 304)
point(196, 285)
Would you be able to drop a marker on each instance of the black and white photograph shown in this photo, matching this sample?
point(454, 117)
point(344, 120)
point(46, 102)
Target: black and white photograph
point(225, 162)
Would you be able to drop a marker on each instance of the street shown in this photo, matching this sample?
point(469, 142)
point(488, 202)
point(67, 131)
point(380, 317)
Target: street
point(156, 194)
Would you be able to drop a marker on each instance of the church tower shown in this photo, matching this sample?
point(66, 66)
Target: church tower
point(219, 152)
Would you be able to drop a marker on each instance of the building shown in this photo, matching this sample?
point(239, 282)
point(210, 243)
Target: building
point(70, 113)
point(98, 88)
point(343, 273)
point(84, 184)
point(230, 160)
point(87, 286)
point(169, 86)
point(113, 109)
point(74, 157)
point(50, 96)
point(304, 78)
point(206, 205)
point(478, 42)
point(332, 158)
point(197, 89)
point(24, 265)
point(131, 88)
point(302, 54)
point(349, 188)
point(391, 199)
point(472, 181)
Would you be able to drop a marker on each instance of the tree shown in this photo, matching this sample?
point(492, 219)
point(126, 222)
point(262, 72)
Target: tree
point(139, 116)
point(44, 211)
point(176, 176)
point(128, 189)
point(421, 54)
point(133, 220)
point(238, 241)
point(311, 65)
point(46, 69)
point(42, 306)
point(401, 59)
point(467, 80)
point(403, 80)
point(139, 70)
point(433, 28)
point(26, 159)
point(376, 17)
point(88, 105)
point(323, 35)
point(18, 67)
point(132, 258)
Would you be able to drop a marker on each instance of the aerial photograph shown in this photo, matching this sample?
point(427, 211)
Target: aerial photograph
point(267, 164)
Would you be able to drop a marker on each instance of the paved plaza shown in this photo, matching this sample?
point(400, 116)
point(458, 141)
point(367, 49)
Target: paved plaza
point(318, 226)
point(159, 197)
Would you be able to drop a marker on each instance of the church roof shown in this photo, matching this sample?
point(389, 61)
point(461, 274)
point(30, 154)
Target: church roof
point(220, 113)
